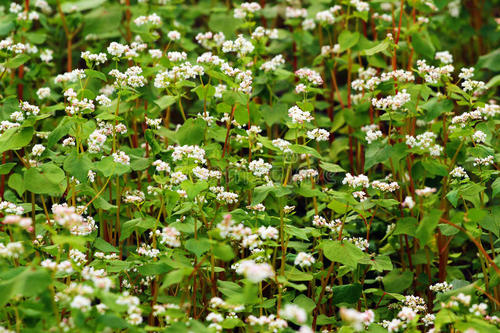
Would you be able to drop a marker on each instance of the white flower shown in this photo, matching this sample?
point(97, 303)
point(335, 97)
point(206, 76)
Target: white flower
point(409, 202)
point(308, 24)
point(407, 314)
point(392, 102)
point(98, 59)
point(176, 56)
point(80, 302)
point(356, 181)
point(373, 135)
point(46, 55)
point(178, 177)
point(240, 45)
point(484, 161)
point(318, 134)
point(155, 53)
point(360, 5)
point(325, 17)
point(161, 166)
point(358, 320)
point(298, 116)
point(255, 272)
point(148, 251)
point(121, 157)
point(292, 12)
point(466, 73)
point(116, 49)
point(425, 192)
point(273, 64)
point(169, 236)
point(445, 57)
point(15, 8)
point(174, 35)
point(300, 88)
point(309, 75)
point(259, 168)
point(294, 312)
point(91, 176)
point(304, 259)
point(37, 150)
point(304, 174)
point(385, 187)
point(479, 137)
point(441, 287)
point(459, 172)
point(43, 93)
point(152, 19)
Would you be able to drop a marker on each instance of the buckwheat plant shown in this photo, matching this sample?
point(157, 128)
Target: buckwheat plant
point(228, 166)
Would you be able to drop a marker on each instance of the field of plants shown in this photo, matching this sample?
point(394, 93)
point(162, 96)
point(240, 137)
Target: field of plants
point(272, 166)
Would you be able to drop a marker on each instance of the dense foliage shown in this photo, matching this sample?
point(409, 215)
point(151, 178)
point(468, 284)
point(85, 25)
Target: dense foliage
point(281, 166)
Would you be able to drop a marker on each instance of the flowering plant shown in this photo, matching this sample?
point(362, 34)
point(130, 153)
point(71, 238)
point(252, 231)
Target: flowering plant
point(279, 166)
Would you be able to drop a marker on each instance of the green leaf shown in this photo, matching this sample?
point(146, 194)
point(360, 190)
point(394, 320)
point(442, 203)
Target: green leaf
point(95, 74)
point(406, 226)
point(165, 101)
point(78, 165)
point(435, 168)
point(426, 227)
point(376, 154)
point(6, 26)
point(349, 293)
point(382, 46)
point(150, 138)
point(139, 164)
point(348, 39)
point(299, 149)
point(197, 246)
point(141, 224)
point(112, 321)
point(382, 263)
point(293, 274)
point(15, 138)
point(28, 283)
point(491, 221)
point(223, 252)
point(77, 242)
point(345, 253)
point(436, 107)
point(191, 132)
point(422, 44)
point(490, 61)
point(61, 130)
point(16, 182)
point(193, 189)
point(495, 187)
point(260, 193)
point(396, 281)
point(109, 167)
point(241, 114)
point(300, 233)
point(69, 7)
point(223, 22)
point(305, 303)
point(104, 246)
point(46, 179)
point(17, 61)
point(154, 268)
point(36, 37)
point(5, 168)
point(330, 167)
point(175, 277)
